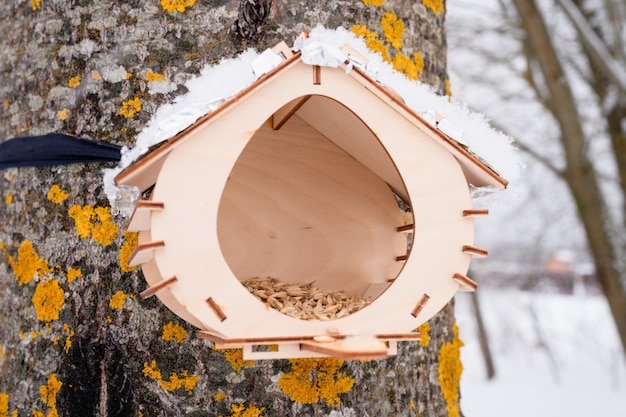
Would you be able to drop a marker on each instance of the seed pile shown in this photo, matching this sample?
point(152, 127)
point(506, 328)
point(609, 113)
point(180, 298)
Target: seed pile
point(304, 301)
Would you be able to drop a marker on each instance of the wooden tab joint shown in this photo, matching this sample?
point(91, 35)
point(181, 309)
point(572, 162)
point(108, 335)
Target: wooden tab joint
point(475, 251)
point(317, 75)
point(465, 283)
point(476, 213)
point(420, 305)
point(216, 309)
point(157, 287)
point(144, 252)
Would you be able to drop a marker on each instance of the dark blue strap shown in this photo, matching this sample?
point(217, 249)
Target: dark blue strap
point(55, 149)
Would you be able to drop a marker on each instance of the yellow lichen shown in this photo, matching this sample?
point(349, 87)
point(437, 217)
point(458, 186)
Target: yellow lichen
point(6, 104)
point(8, 199)
point(129, 245)
point(73, 274)
point(174, 6)
point(235, 358)
point(62, 114)
point(450, 369)
point(82, 219)
point(68, 340)
point(372, 41)
point(104, 230)
point(117, 301)
point(4, 405)
point(239, 410)
point(130, 108)
point(35, 4)
point(74, 82)
point(183, 381)
point(405, 65)
point(448, 88)
point(393, 29)
point(95, 75)
point(418, 59)
point(49, 391)
point(95, 223)
point(376, 3)
point(424, 331)
point(48, 394)
point(174, 332)
point(435, 5)
point(28, 264)
point(48, 300)
point(313, 379)
point(154, 76)
point(220, 396)
point(57, 195)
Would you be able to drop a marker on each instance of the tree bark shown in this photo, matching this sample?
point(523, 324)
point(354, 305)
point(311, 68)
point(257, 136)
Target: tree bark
point(579, 172)
point(74, 338)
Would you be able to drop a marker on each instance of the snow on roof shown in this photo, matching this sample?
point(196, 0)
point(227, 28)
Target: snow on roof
point(216, 84)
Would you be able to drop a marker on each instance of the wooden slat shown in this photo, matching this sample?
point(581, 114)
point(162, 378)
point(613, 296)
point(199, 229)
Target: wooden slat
point(406, 227)
point(454, 146)
point(140, 220)
point(220, 340)
point(466, 283)
point(475, 213)
point(283, 48)
point(358, 347)
point(475, 251)
point(216, 309)
point(420, 305)
point(144, 252)
point(143, 172)
point(251, 340)
point(402, 258)
point(157, 287)
point(399, 336)
point(283, 114)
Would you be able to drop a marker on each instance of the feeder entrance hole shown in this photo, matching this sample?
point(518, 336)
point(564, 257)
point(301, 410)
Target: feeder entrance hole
point(314, 202)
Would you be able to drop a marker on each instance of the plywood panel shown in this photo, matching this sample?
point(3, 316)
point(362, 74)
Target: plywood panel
point(195, 175)
point(298, 208)
point(346, 130)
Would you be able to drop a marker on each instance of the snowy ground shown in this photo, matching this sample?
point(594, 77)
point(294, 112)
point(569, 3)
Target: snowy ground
point(567, 362)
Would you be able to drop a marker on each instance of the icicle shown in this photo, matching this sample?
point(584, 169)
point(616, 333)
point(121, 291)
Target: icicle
point(124, 200)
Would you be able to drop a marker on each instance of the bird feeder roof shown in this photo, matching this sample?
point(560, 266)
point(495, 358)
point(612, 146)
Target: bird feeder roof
point(143, 172)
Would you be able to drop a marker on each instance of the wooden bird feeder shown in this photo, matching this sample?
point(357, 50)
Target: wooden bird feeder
point(301, 177)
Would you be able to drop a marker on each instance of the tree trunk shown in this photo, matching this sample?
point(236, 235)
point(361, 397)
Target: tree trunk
point(579, 172)
point(74, 338)
point(483, 337)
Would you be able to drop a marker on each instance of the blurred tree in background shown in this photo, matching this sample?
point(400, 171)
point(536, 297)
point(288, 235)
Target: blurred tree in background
point(553, 74)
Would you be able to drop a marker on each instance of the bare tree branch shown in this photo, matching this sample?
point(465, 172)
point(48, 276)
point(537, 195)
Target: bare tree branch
point(599, 53)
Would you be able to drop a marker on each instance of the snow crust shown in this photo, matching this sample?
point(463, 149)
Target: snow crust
point(216, 84)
